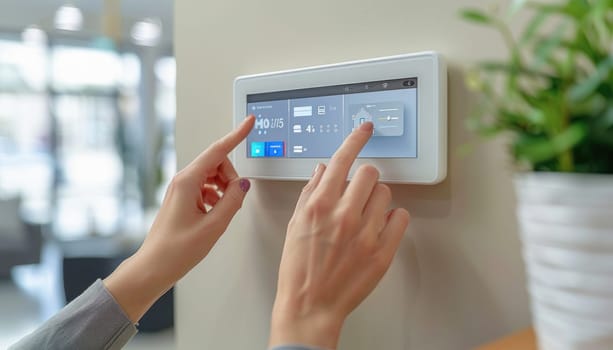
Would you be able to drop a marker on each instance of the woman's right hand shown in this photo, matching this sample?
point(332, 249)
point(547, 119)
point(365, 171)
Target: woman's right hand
point(339, 244)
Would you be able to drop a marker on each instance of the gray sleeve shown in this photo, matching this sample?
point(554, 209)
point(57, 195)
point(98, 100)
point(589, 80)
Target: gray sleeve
point(295, 347)
point(94, 320)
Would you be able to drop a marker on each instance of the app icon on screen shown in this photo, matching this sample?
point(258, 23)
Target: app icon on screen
point(275, 149)
point(387, 117)
point(258, 149)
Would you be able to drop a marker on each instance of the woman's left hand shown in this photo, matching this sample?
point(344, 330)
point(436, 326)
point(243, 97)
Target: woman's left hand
point(199, 204)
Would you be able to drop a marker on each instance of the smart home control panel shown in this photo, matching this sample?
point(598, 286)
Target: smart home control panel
point(303, 116)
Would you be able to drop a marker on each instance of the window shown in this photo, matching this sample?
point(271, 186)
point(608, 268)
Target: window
point(71, 135)
point(166, 74)
point(26, 163)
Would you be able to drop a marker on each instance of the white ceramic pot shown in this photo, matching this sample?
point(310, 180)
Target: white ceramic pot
point(566, 223)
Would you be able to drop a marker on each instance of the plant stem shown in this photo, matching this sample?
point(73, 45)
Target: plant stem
point(566, 161)
point(509, 41)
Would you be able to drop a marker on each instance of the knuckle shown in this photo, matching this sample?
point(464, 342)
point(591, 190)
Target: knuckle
point(236, 197)
point(342, 159)
point(347, 222)
point(178, 181)
point(318, 206)
point(217, 147)
point(380, 263)
point(216, 144)
point(308, 187)
point(385, 192)
point(235, 192)
point(376, 223)
point(366, 246)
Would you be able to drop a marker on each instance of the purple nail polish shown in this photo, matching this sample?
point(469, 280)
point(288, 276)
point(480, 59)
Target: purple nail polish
point(245, 185)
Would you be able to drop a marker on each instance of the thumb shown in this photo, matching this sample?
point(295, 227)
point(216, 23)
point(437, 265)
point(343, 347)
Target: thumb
point(231, 201)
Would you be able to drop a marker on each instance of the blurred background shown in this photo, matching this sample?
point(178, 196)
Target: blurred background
point(87, 111)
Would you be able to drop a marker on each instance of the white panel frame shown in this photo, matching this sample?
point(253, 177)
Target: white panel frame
point(430, 166)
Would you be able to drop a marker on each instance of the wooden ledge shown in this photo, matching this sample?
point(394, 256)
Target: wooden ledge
point(524, 340)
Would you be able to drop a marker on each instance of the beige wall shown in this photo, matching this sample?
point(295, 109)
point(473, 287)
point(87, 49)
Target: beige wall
point(458, 279)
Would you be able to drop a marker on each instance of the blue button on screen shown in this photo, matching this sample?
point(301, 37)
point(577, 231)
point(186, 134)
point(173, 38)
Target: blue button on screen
point(258, 149)
point(274, 149)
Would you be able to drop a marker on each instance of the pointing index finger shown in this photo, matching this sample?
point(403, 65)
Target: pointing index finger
point(229, 142)
point(342, 160)
point(218, 151)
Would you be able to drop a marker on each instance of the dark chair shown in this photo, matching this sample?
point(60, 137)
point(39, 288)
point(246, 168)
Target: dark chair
point(20, 242)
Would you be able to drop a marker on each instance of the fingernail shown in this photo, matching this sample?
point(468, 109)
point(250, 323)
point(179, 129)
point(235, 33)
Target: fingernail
point(245, 185)
point(316, 169)
point(367, 126)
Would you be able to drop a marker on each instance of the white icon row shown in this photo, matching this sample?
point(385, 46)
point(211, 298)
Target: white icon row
point(307, 111)
point(299, 149)
point(299, 129)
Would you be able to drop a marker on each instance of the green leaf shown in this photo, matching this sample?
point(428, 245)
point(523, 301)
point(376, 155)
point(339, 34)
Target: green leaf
point(600, 8)
point(527, 120)
point(573, 8)
point(560, 109)
point(533, 26)
point(476, 16)
point(577, 8)
point(549, 8)
point(484, 129)
point(588, 86)
point(605, 137)
point(540, 149)
point(532, 101)
point(586, 46)
point(546, 47)
point(536, 117)
point(603, 128)
point(606, 121)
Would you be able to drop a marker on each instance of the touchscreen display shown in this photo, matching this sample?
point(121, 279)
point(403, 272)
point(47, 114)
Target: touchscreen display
point(313, 122)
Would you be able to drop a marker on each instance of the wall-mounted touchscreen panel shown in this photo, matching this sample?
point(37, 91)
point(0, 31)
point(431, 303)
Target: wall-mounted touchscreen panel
point(303, 115)
point(313, 122)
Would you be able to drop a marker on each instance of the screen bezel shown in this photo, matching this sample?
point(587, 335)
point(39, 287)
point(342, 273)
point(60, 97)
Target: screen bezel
point(430, 165)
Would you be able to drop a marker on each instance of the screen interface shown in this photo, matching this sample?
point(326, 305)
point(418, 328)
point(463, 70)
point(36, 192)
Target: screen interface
point(313, 122)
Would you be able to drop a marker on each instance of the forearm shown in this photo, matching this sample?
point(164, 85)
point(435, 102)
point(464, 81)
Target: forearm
point(295, 347)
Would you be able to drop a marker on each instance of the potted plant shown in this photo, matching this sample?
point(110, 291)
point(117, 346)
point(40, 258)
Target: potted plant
point(553, 96)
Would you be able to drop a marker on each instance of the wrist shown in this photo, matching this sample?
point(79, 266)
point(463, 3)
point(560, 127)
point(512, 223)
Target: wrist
point(136, 286)
point(290, 326)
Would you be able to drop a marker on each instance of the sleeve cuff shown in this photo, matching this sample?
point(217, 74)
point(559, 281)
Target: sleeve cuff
point(94, 320)
point(296, 347)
